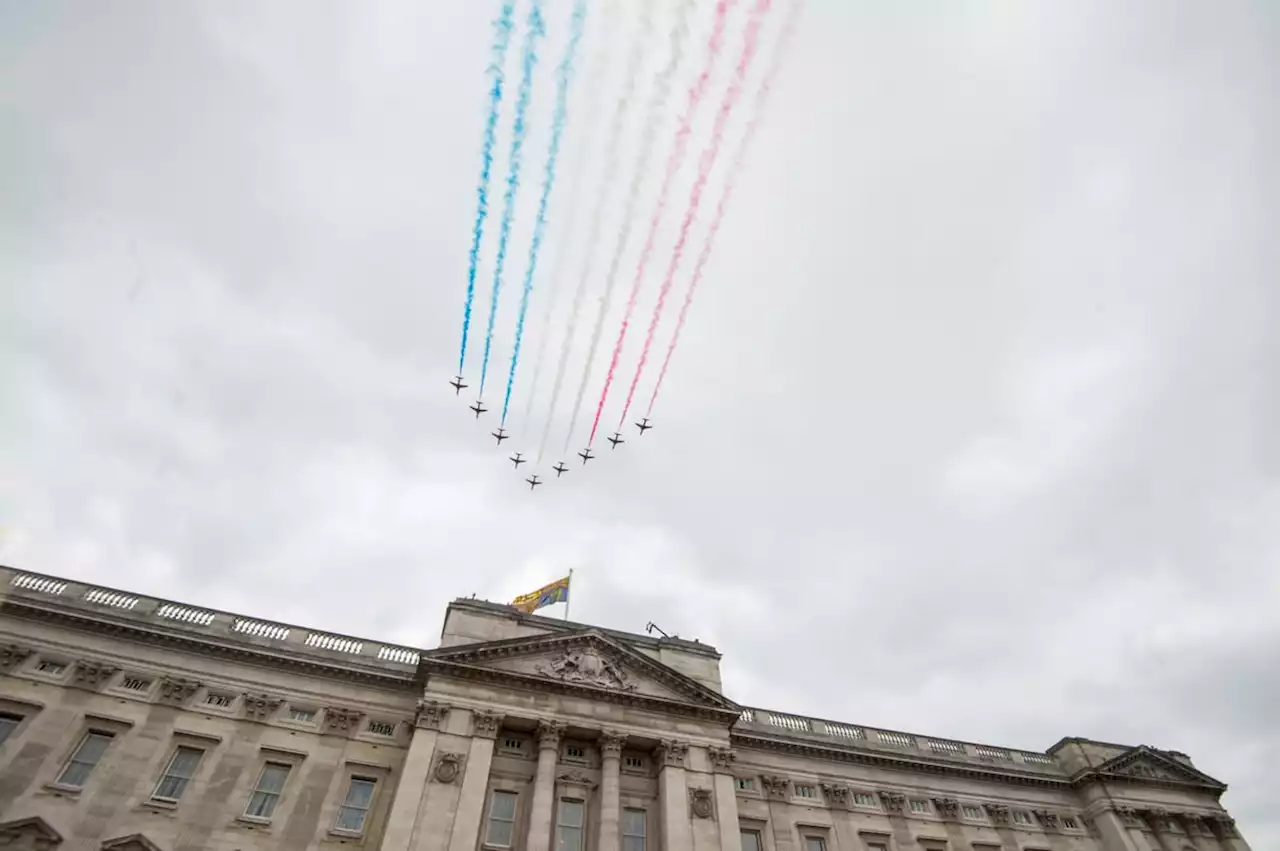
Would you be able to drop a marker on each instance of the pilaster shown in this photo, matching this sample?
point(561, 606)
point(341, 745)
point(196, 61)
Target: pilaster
point(610, 790)
point(412, 787)
point(544, 786)
point(470, 814)
point(726, 792)
point(676, 831)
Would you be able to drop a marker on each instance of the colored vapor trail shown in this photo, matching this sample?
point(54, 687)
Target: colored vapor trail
point(735, 167)
point(706, 162)
point(611, 168)
point(528, 61)
point(502, 37)
point(696, 92)
point(564, 78)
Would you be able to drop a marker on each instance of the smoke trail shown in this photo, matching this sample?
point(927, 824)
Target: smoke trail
point(564, 78)
point(611, 168)
point(674, 160)
point(597, 72)
point(739, 158)
point(528, 60)
point(502, 37)
point(705, 163)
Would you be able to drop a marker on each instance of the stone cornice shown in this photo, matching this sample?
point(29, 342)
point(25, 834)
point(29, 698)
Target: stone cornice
point(882, 759)
point(156, 635)
point(1180, 776)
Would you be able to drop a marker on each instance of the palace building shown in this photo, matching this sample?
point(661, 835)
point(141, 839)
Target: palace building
point(134, 723)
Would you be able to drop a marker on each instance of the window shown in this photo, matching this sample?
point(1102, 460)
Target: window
point(973, 812)
point(50, 667)
point(302, 716)
point(502, 819)
point(355, 807)
point(919, 805)
point(136, 683)
point(864, 799)
point(577, 752)
point(182, 767)
point(633, 762)
point(8, 723)
point(266, 794)
point(815, 843)
point(382, 728)
point(1020, 817)
point(876, 846)
point(222, 701)
point(803, 791)
point(633, 825)
point(569, 826)
point(86, 756)
point(1070, 823)
point(514, 745)
point(746, 784)
point(751, 840)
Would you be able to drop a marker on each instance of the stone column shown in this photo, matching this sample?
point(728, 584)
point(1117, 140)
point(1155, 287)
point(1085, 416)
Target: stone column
point(677, 833)
point(1199, 832)
point(1224, 827)
point(469, 819)
point(411, 787)
point(544, 786)
point(726, 790)
point(610, 789)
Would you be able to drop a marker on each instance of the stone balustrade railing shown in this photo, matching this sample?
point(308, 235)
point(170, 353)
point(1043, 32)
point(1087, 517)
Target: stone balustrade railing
point(768, 722)
point(194, 619)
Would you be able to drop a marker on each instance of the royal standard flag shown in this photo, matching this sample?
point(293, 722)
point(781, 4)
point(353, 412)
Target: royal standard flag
point(556, 592)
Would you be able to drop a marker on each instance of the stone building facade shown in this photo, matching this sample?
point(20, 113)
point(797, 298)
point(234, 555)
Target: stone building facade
point(132, 723)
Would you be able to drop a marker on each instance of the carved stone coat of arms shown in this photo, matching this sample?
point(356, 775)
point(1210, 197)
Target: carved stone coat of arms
point(587, 667)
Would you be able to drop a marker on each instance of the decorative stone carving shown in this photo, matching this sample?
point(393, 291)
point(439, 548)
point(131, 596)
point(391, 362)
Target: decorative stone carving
point(430, 714)
point(1048, 820)
point(485, 724)
point(700, 803)
point(587, 666)
point(448, 767)
point(1162, 820)
point(671, 753)
point(340, 720)
point(260, 707)
point(1196, 825)
point(611, 744)
point(722, 759)
point(892, 801)
point(1128, 816)
point(948, 808)
point(999, 813)
point(1224, 826)
point(31, 832)
point(549, 733)
point(837, 794)
point(177, 690)
point(576, 778)
point(91, 675)
point(12, 655)
point(775, 786)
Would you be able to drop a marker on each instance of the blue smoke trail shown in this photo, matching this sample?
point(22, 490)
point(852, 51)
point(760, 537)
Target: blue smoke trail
point(564, 78)
point(528, 60)
point(502, 37)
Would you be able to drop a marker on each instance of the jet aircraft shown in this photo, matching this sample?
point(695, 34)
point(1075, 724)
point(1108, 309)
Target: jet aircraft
point(560, 468)
point(478, 408)
point(458, 386)
point(586, 455)
point(616, 439)
point(643, 425)
point(501, 434)
point(517, 460)
point(533, 481)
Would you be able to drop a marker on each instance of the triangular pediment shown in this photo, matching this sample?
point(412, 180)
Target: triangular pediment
point(32, 832)
point(1149, 764)
point(584, 659)
point(133, 842)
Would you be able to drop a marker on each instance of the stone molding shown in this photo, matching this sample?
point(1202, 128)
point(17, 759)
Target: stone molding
point(837, 794)
point(13, 655)
point(338, 719)
point(485, 725)
point(37, 832)
point(133, 842)
point(260, 707)
point(92, 675)
point(701, 803)
point(549, 735)
point(998, 813)
point(448, 767)
point(177, 690)
point(1128, 816)
point(671, 753)
point(722, 759)
point(1048, 819)
point(893, 802)
point(611, 743)
point(430, 714)
point(948, 808)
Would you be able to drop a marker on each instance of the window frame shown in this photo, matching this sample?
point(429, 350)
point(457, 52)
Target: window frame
point(168, 766)
point(310, 721)
point(60, 780)
point(490, 818)
point(17, 718)
point(643, 835)
point(814, 837)
point(756, 832)
point(256, 789)
point(560, 825)
point(810, 792)
point(870, 800)
point(352, 779)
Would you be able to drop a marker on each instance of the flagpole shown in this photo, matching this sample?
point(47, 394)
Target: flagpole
point(570, 600)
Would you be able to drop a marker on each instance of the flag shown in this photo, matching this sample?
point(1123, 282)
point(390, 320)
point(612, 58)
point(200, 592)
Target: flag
point(556, 592)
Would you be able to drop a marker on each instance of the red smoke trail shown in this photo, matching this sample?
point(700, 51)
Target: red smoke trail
point(696, 93)
point(739, 157)
point(705, 163)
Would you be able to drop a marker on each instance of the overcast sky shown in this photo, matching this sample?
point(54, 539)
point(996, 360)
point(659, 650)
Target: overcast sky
point(973, 430)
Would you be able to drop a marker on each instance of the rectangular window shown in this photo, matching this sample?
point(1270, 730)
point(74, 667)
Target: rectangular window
point(136, 683)
point(1019, 817)
point(86, 756)
point(355, 807)
point(972, 812)
point(633, 835)
point(575, 752)
point(48, 666)
point(803, 791)
point(875, 846)
point(633, 761)
point(222, 701)
point(864, 799)
point(1069, 823)
point(502, 819)
point(382, 728)
point(751, 840)
point(304, 716)
point(182, 767)
point(8, 723)
point(746, 784)
point(815, 843)
point(267, 791)
point(569, 825)
point(919, 805)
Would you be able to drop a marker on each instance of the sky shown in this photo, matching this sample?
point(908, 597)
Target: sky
point(972, 430)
